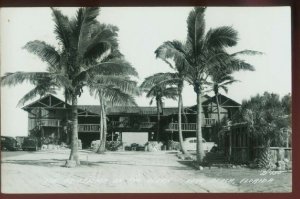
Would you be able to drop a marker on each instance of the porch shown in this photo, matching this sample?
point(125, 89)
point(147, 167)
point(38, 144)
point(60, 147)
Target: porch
point(206, 122)
point(115, 124)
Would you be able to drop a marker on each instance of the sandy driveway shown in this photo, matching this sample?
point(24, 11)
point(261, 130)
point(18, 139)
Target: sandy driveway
point(113, 172)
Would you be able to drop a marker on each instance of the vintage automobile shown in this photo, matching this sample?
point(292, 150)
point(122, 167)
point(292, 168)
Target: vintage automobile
point(135, 147)
point(30, 144)
point(190, 144)
point(8, 143)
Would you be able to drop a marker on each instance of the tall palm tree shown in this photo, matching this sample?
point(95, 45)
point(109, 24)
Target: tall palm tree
point(158, 92)
point(200, 54)
point(83, 41)
point(176, 78)
point(112, 88)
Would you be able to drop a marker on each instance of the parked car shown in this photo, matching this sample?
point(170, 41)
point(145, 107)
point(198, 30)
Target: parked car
point(20, 140)
point(30, 143)
point(8, 143)
point(190, 144)
point(135, 147)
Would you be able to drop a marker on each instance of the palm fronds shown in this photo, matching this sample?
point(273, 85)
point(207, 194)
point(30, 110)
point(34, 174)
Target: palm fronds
point(12, 79)
point(46, 52)
point(221, 37)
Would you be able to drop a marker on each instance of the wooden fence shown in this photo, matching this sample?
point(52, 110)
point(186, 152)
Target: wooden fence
point(246, 154)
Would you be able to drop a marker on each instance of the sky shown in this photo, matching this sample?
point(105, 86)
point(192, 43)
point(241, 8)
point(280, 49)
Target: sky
point(142, 30)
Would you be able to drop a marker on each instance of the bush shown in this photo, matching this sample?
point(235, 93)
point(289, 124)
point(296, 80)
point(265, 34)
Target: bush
point(110, 145)
point(153, 146)
point(173, 145)
point(114, 145)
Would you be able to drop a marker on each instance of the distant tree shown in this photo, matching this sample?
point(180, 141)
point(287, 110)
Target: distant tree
point(287, 104)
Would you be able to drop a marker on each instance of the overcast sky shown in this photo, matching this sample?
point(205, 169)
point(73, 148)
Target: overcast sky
point(142, 30)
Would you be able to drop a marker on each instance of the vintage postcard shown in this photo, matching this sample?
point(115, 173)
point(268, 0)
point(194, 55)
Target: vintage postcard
point(146, 100)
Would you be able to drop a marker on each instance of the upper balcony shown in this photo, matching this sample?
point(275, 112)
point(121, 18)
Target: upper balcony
point(49, 122)
point(115, 124)
point(206, 122)
point(141, 125)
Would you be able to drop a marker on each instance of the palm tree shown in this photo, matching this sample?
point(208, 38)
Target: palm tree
point(158, 92)
point(200, 54)
point(176, 78)
point(220, 82)
point(112, 88)
point(83, 41)
point(265, 118)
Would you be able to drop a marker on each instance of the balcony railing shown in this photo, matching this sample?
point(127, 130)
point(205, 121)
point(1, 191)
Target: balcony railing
point(208, 122)
point(190, 126)
point(50, 122)
point(147, 125)
point(88, 127)
point(125, 124)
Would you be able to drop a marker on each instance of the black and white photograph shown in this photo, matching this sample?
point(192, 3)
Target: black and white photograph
point(146, 99)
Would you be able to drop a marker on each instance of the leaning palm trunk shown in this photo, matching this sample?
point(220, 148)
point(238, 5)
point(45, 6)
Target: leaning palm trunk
point(200, 151)
point(74, 142)
point(101, 148)
point(179, 120)
point(100, 127)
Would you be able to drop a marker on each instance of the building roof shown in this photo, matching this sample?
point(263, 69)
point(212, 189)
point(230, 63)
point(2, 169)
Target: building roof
point(50, 101)
point(224, 101)
point(47, 102)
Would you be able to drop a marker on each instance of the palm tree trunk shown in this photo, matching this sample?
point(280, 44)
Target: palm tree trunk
point(74, 142)
point(218, 107)
point(158, 119)
point(104, 128)
point(179, 120)
point(101, 148)
point(219, 118)
point(67, 115)
point(264, 159)
point(200, 151)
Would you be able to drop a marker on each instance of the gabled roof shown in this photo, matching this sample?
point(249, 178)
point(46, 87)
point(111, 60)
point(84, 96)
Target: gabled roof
point(48, 101)
point(52, 102)
point(224, 101)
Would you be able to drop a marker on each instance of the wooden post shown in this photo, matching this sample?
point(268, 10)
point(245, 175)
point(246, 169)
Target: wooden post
point(58, 133)
point(229, 150)
point(112, 136)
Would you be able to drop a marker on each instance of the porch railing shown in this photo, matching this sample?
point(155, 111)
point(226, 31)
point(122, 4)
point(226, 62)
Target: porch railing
point(50, 122)
point(208, 122)
point(191, 126)
point(147, 124)
point(88, 127)
point(118, 124)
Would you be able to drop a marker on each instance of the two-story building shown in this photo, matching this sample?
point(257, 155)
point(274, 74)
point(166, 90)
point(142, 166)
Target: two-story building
point(51, 116)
